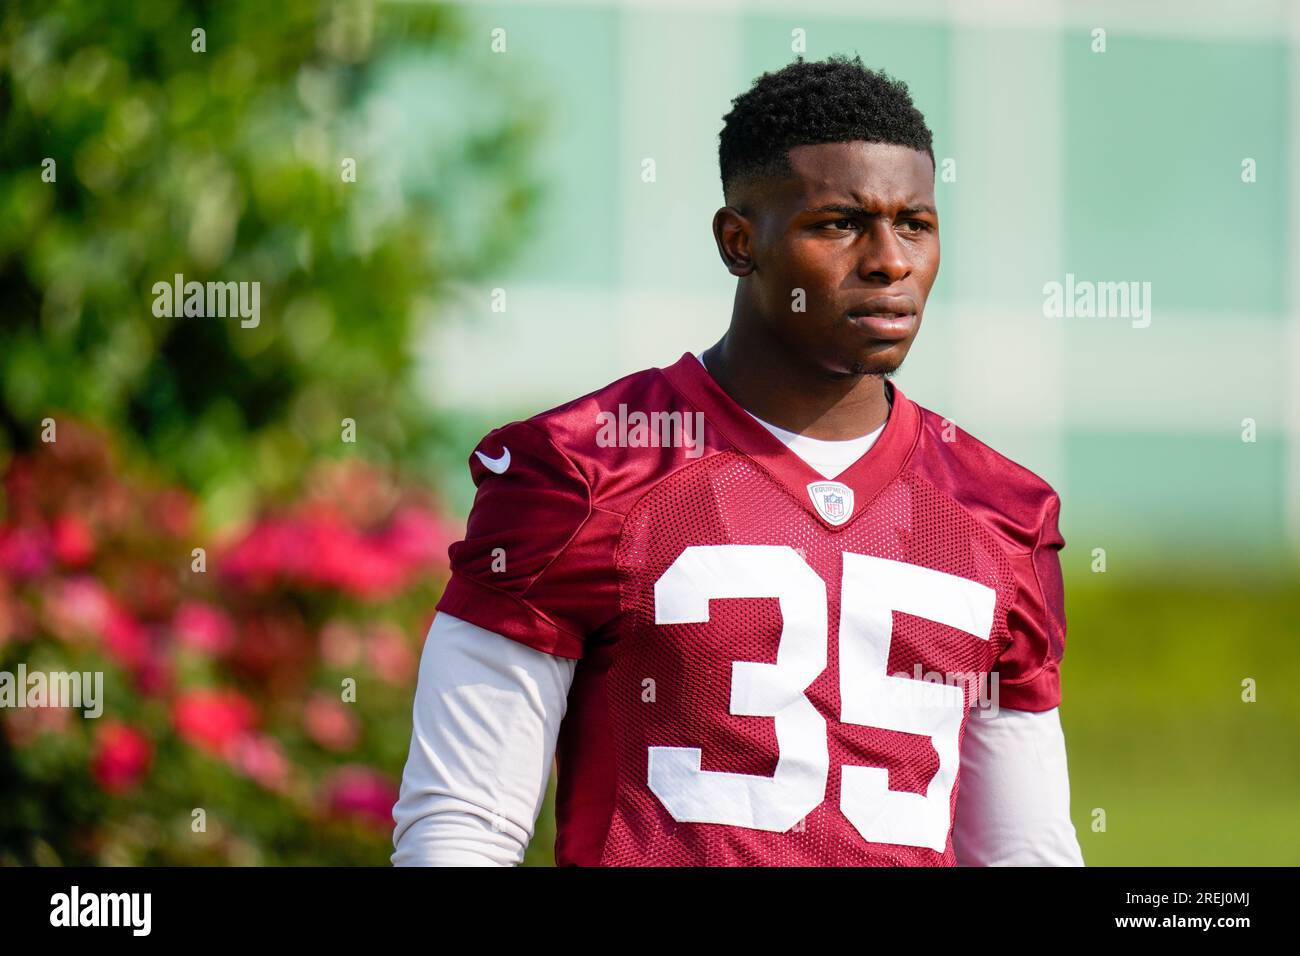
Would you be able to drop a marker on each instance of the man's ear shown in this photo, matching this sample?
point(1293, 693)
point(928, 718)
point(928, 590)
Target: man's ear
point(733, 233)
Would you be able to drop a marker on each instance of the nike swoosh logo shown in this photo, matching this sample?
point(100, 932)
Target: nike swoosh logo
point(496, 465)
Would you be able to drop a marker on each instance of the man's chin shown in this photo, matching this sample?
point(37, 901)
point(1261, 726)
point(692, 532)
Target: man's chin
point(881, 362)
point(881, 366)
point(862, 369)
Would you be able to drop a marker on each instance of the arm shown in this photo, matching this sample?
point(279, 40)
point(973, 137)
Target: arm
point(1013, 799)
point(532, 577)
point(486, 717)
point(1013, 795)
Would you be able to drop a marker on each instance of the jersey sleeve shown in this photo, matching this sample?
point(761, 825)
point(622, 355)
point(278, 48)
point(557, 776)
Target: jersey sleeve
point(1029, 675)
point(536, 563)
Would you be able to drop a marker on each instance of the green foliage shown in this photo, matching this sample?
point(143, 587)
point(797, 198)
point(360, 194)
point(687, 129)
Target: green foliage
point(227, 165)
point(134, 150)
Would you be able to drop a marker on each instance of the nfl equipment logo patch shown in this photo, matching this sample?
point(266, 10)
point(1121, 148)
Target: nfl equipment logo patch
point(833, 501)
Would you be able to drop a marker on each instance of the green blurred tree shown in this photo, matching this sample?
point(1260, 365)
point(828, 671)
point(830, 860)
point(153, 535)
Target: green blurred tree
point(133, 149)
point(227, 163)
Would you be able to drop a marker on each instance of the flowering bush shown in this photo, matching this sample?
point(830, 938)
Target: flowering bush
point(258, 689)
point(257, 680)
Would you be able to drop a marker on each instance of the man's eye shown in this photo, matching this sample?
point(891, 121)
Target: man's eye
point(916, 225)
point(840, 223)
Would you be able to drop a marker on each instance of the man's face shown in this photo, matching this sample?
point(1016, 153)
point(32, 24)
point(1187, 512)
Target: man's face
point(856, 229)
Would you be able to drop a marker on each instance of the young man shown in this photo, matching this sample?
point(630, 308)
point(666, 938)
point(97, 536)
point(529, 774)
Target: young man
point(756, 622)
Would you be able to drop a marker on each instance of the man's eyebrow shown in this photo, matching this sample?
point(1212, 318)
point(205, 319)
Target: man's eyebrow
point(850, 209)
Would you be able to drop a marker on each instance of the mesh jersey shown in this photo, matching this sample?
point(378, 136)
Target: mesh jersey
point(763, 678)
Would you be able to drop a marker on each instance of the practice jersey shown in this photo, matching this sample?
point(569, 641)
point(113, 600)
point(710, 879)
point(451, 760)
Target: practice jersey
point(773, 668)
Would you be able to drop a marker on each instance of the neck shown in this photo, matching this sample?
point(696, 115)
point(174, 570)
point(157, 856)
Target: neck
point(769, 381)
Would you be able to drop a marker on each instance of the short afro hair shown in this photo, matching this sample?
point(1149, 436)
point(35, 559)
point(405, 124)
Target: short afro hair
point(833, 101)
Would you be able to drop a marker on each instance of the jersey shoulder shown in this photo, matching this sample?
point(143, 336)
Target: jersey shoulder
point(578, 425)
point(1013, 501)
point(613, 441)
point(536, 563)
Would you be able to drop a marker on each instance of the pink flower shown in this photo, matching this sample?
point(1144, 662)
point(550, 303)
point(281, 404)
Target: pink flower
point(78, 608)
point(418, 537)
point(125, 638)
point(25, 552)
point(204, 627)
point(271, 549)
point(362, 794)
point(390, 656)
point(340, 644)
point(262, 759)
point(330, 722)
point(318, 549)
point(213, 720)
point(358, 566)
point(122, 756)
point(73, 543)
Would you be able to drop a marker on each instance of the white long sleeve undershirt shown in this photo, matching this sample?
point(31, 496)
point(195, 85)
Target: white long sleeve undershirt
point(487, 717)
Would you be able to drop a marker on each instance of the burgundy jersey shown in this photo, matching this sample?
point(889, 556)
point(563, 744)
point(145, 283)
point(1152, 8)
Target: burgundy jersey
point(773, 668)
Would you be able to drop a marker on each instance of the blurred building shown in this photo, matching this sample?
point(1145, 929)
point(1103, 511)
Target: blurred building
point(1131, 164)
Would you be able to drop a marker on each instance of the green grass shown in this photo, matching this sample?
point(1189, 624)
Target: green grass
point(1158, 734)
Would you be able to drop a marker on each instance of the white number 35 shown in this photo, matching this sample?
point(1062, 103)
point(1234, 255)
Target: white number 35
point(871, 590)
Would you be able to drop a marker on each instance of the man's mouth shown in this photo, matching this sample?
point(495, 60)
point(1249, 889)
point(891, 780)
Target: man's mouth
point(890, 318)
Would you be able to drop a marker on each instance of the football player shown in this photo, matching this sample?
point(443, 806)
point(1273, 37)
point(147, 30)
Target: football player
point(760, 606)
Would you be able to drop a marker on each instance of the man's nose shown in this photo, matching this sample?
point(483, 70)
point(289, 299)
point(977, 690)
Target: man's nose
point(883, 255)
